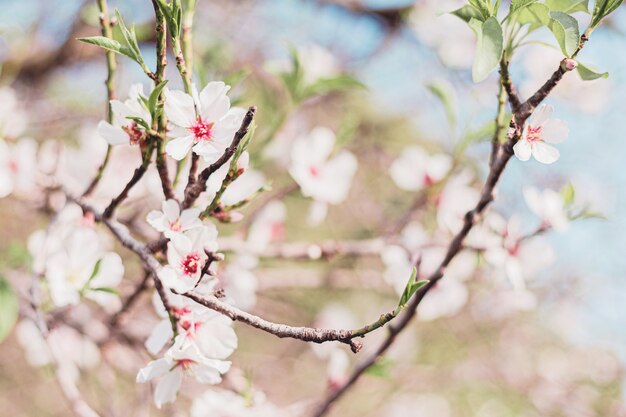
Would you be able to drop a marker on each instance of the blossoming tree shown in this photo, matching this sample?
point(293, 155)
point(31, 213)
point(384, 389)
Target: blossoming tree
point(152, 257)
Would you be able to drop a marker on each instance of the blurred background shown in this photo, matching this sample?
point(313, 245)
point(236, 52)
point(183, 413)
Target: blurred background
point(562, 354)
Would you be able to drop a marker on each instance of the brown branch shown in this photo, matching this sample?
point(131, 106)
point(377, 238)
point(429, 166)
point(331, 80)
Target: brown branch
point(193, 192)
point(504, 154)
point(137, 175)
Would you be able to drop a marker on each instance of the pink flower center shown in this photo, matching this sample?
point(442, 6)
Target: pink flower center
point(277, 231)
point(202, 130)
point(428, 181)
point(191, 264)
point(14, 167)
point(175, 225)
point(533, 134)
point(135, 134)
point(314, 171)
point(180, 311)
point(185, 363)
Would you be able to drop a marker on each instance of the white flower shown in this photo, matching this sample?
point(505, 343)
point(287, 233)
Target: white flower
point(317, 63)
point(326, 180)
point(82, 268)
point(124, 130)
point(415, 169)
point(519, 258)
point(12, 119)
point(180, 359)
point(538, 132)
point(67, 348)
point(239, 282)
point(268, 226)
point(204, 122)
point(456, 199)
point(210, 331)
point(186, 257)
point(549, 206)
point(17, 166)
point(171, 222)
point(220, 403)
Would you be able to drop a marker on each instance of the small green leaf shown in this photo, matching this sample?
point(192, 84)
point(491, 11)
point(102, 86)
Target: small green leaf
point(468, 12)
point(139, 121)
point(171, 13)
point(110, 45)
point(381, 368)
point(8, 308)
point(589, 72)
point(325, 86)
point(411, 288)
point(489, 47)
point(568, 194)
point(568, 6)
point(601, 9)
point(154, 98)
point(482, 6)
point(517, 5)
point(106, 289)
point(444, 91)
point(565, 30)
point(536, 15)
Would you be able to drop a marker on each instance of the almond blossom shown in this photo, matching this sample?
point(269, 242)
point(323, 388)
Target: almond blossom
point(203, 121)
point(171, 221)
point(123, 130)
point(210, 331)
point(415, 169)
point(327, 180)
point(182, 358)
point(186, 255)
point(13, 119)
point(517, 258)
point(549, 206)
point(17, 166)
point(220, 403)
point(538, 133)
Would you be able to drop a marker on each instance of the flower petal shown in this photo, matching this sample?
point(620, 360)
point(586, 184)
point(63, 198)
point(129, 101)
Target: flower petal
point(179, 108)
point(214, 103)
point(160, 335)
point(167, 388)
point(153, 370)
point(112, 134)
point(554, 131)
point(522, 150)
point(541, 115)
point(544, 153)
point(179, 148)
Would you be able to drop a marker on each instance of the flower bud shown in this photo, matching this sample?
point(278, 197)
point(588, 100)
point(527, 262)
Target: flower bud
point(569, 64)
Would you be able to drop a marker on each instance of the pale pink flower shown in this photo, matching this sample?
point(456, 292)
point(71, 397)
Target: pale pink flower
point(124, 131)
point(186, 257)
point(210, 331)
point(549, 206)
point(221, 403)
point(239, 281)
point(182, 358)
point(268, 226)
point(456, 199)
point(17, 167)
point(171, 221)
point(203, 121)
point(324, 178)
point(416, 169)
point(538, 133)
point(13, 119)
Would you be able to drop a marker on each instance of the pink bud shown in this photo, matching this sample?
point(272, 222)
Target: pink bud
point(243, 162)
point(569, 64)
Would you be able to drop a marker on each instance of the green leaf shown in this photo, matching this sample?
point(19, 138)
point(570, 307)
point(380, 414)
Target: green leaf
point(444, 91)
point(601, 9)
point(106, 289)
point(8, 309)
point(565, 30)
point(411, 288)
point(139, 121)
point(568, 6)
point(154, 98)
point(482, 6)
point(110, 45)
point(589, 72)
point(171, 12)
point(489, 47)
point(536, 15)
point(568, 194)
point(381, 368)
point(517, 5)
point(130, 37)
point(468, 12)
point(325, 86)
